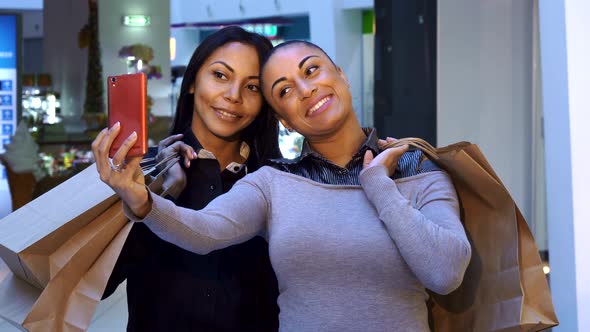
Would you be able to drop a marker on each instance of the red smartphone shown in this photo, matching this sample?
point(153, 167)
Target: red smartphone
point(127, 96)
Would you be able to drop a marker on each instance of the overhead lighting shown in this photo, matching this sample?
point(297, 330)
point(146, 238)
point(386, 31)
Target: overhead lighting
point(136, 20)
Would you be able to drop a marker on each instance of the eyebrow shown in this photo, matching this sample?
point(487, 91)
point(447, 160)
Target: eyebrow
point(277, 82)
point(255, 77)
point(305, 59)
point(224, 64)
point(301, 63)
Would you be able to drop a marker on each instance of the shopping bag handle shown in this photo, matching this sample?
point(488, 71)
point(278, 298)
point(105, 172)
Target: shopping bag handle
point(418, 143)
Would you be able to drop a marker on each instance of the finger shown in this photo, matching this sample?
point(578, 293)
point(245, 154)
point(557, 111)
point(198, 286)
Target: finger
point(95, 148)
point(104, 149)
point(186, 151)
point(188, 155)
point(137, 169)
point(133, 165)
point(121, 154)
point(397, 151)
point(182, 148)
point(169, 140)
point(404, 147)
point(391, 139)
point(367, 158)
point(106, 143)
point(394, 154)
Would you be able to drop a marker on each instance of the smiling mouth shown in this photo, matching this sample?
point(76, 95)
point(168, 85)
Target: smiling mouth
point(318, 105)
point(226, 114)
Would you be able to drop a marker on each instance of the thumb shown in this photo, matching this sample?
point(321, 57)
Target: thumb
point(368, 158)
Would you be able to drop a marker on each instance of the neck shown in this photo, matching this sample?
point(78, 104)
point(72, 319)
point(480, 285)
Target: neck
point(340, 146)
point(226, 150)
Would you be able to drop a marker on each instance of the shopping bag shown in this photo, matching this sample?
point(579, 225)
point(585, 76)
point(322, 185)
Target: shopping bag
point(504, 287)
point(79, 267)
point(69, 300)
point(29, 235)
point(60, 307)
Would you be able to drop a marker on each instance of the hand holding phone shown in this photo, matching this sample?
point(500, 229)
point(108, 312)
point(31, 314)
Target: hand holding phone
point(127, 105)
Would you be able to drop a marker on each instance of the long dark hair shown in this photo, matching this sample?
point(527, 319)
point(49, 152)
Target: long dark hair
point(262, 133)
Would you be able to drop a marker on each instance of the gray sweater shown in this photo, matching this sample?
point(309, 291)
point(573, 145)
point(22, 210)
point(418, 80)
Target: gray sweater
point(347, 258)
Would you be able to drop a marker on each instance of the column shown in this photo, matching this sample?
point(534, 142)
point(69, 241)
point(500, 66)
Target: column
point(565, 51)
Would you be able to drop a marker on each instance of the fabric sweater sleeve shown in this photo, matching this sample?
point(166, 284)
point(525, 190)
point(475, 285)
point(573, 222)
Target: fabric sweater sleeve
point(428, 233)
point(229, 219)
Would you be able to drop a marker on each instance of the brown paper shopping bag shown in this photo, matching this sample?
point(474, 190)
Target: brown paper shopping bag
point(29, 235)
point(79, 271)
point(69, 300)
point(78, 267)
point(504, 288)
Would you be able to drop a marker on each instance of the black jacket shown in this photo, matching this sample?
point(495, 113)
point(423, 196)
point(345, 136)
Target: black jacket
point(171, 289)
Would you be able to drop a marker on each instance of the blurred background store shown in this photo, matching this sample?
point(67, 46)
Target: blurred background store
point(509, 76)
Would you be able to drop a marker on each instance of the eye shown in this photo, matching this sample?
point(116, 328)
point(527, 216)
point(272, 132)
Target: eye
point(219, 75)
point(253, 87)
point(311, 69)
point(284, 91)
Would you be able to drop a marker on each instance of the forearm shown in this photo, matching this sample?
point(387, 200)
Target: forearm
point(430, 236)
point(230, 219)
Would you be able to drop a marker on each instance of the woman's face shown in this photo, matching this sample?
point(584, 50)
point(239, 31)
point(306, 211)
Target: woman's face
point(227, 95)
point(307, 91)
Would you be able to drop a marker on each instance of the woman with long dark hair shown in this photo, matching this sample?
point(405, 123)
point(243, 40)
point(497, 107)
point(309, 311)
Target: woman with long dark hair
point(222, 115)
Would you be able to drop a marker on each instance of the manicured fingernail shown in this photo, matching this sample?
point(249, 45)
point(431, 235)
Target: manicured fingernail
point(195, 155)
point(117, 124)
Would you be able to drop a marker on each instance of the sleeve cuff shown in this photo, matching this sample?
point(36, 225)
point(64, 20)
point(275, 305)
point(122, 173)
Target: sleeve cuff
point(380, 189)
point(129, 213)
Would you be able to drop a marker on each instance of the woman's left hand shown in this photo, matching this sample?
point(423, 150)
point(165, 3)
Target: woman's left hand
point(387, 158)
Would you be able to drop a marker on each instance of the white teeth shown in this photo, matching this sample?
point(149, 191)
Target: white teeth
point(318, 105)
point(227, 114)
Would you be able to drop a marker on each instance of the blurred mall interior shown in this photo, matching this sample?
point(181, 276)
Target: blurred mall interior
point(510, 76)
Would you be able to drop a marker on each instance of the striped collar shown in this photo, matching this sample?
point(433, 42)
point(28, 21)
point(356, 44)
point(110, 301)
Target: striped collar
point(306, 152)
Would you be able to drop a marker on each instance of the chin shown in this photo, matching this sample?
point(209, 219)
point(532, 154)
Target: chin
point(226, 133)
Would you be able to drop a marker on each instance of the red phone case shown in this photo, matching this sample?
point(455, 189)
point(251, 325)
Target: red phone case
point(128, 105)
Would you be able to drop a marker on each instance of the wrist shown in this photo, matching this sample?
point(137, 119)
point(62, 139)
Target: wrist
point(143, 206)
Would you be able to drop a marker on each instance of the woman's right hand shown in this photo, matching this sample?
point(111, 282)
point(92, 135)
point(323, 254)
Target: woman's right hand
point(175, 177)
point(123, 174)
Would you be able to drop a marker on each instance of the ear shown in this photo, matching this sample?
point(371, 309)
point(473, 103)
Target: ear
point(191, 90)
point(341, 73)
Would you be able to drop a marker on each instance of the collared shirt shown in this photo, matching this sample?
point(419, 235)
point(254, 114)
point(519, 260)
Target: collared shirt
point(171, 289)
point(233, 167)
point(312, 165)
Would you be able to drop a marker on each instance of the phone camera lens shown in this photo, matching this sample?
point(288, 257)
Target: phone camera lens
point(113, 79)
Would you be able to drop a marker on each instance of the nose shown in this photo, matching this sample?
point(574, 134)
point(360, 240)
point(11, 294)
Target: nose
point(233, 94)
point(306, 89)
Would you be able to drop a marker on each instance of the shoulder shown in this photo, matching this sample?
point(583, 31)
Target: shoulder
point(412, 163)
point(261, 177)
